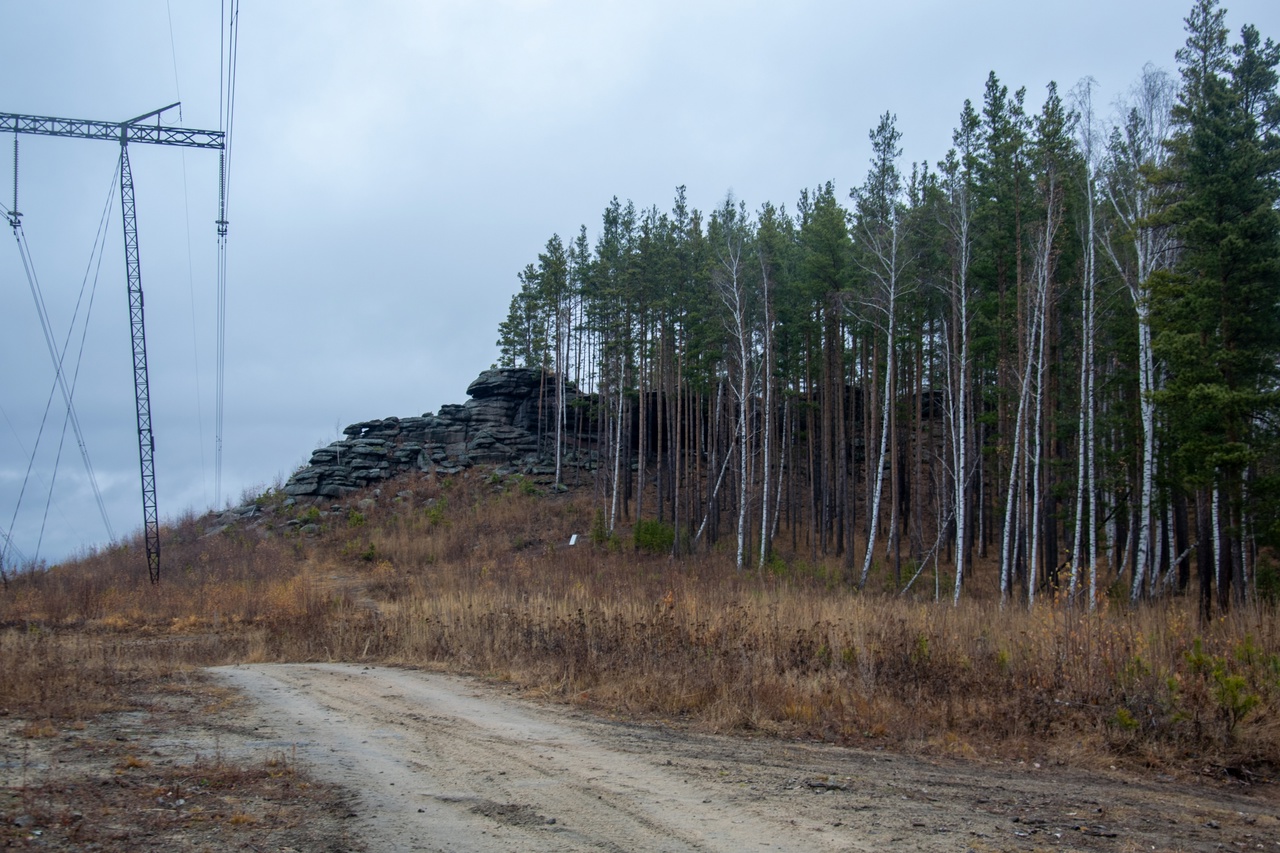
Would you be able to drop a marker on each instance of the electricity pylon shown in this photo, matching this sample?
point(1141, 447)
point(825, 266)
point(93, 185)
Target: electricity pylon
point(125, 132)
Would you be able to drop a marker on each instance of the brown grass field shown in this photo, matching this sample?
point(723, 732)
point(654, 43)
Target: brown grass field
point(475, 574)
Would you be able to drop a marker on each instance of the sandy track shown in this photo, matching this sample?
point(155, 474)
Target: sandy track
point(441, 765)
point(444, 763)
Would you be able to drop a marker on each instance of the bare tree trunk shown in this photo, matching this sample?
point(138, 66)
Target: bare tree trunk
point(873, 511)
point(617, 458)
point(1013, 523)
point(959, 224)
point(766, 531)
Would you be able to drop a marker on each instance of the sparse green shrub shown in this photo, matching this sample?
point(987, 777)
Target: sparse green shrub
point(435, 512)
point(355, 518)
point(775, 565)
point(1267, 579)
point(653, 536)
point(1232, 683)
point(1124, 720)
point(920, 651)
point(600, 534)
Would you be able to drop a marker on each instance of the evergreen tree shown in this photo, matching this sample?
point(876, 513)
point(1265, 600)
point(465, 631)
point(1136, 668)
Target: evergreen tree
point(1217, 315)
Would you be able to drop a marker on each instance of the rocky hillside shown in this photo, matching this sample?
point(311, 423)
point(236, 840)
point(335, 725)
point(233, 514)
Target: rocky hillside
point(506, 423)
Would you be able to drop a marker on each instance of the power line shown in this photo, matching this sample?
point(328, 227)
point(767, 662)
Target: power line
point(99, 245)
point(226, 119)
point(38, 296)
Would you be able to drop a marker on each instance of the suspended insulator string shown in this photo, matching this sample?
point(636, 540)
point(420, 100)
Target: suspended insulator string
point(13, 214)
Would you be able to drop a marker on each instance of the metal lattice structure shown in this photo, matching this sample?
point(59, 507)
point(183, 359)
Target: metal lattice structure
point(87, 129)
point(125, 132)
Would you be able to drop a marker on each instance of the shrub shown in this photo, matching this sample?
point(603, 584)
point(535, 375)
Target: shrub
point(1267, 579)
point(655, 537)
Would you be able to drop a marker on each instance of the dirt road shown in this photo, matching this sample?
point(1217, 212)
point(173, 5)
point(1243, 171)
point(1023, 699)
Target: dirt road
point(443, 763)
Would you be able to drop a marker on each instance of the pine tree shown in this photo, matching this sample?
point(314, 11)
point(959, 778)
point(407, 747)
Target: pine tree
point(1218, 316)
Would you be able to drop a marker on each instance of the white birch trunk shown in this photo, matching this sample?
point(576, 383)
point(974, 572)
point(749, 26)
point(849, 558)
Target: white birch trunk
point(874, 510)
point(1217, 541)
point(765, 530)
point(1038, 330)
point(617, 457)
point(1084, 430)
point(744, 402)
point(1138, 149)
point(562, 356)
point(1093, 474)
point(962, 405)
point(1017, 475)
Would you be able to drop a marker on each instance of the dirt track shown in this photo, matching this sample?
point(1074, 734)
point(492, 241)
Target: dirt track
point(443, 763)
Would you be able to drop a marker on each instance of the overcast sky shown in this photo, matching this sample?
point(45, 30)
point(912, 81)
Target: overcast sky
point(396, 164)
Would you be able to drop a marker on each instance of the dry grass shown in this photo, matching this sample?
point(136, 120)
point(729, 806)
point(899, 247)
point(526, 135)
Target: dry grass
point(476, 575)
point(95, 795)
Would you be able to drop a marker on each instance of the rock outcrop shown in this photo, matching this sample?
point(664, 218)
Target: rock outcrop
point(499, 425)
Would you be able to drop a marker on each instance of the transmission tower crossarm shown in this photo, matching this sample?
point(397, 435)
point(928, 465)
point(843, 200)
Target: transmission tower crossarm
point(155, 134)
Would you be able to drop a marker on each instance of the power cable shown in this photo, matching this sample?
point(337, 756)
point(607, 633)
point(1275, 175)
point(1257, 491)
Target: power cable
point(229, 42)
point(173, 52)
point(195, 348)
point(191, 285)
point(99, 247)
point(37, 295)
point(60, 375)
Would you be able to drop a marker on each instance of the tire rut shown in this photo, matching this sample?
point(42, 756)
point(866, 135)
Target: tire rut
point(440, 765)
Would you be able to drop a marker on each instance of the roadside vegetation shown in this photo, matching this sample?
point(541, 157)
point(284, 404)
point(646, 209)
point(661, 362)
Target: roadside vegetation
point(475, 574)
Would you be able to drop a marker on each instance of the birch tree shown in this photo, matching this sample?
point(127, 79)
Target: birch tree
point(957, 217)
point(730, 232)
point(883, 258)
point(1086, 510)
point(1138, 247)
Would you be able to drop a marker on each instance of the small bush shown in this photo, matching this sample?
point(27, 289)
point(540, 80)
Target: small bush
point(435, 511)
point(600, 534)
point(655, 537)
point(1267, 579)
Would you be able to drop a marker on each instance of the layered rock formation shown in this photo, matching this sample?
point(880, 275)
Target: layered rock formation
point(499, 425)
